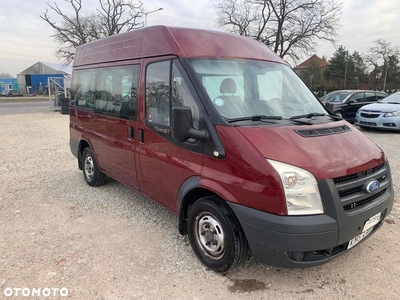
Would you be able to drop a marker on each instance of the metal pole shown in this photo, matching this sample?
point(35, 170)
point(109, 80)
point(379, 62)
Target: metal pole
point(150, 12)
point(384, 81)
point(345, 69)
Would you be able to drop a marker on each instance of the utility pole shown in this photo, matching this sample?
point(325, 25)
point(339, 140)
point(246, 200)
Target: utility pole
point(384, 80)
point(345, 69)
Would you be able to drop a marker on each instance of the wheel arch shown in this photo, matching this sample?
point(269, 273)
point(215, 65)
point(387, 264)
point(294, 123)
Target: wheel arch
point(192, 190)
point(83, 144)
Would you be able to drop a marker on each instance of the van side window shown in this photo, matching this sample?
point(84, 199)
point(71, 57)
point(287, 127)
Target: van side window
point(181, 93)
point(84, 87)
point(117, 91)
point(157, 93)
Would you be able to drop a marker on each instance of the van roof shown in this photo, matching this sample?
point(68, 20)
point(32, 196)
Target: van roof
point(165, 40)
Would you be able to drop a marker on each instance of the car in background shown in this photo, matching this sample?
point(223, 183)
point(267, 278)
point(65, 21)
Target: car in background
point(345, 103)
point(384, 114)
point(11, 93)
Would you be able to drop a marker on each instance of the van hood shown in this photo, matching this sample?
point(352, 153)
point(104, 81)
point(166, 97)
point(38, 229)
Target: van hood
point(325, 156)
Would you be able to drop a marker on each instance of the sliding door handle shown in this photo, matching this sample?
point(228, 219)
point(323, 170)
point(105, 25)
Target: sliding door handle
point(141, 135)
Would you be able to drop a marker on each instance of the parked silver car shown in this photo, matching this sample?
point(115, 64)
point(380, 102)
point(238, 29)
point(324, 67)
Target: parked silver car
point(384, 114)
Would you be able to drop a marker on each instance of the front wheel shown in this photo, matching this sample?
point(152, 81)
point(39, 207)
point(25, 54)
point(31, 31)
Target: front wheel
point(91, 172)
point(215, 235)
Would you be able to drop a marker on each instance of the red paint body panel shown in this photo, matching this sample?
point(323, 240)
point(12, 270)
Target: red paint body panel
point(325, 157)
point(158, 41)
point(245, 173)
point(112, 145)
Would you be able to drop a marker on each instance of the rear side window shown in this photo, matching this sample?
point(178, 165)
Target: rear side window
point(111, 91)
point(84, 88)
point(380, 95)
point(356, 97)
point(370, 97)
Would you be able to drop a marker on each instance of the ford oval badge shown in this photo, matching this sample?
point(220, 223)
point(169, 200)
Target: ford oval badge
point(372, 186)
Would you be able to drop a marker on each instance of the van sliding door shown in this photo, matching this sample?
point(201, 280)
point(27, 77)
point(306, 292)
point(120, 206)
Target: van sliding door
point(115, 122)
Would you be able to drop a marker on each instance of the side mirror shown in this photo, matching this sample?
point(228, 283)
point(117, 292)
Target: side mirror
point(181, 126)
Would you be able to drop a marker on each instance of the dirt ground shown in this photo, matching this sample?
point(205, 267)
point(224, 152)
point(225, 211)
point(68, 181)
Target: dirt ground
point(56, 232)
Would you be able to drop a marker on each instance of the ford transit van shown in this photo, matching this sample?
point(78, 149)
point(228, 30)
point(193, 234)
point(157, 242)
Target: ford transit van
point(218, 129)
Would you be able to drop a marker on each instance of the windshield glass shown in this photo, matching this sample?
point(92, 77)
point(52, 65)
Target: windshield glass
point(393, 98)
point(241, 88)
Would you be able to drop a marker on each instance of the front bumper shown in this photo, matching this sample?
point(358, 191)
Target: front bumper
point(390, 123)
point(306, 241)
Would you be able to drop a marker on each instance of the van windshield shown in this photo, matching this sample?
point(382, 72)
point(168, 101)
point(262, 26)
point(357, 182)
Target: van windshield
point(241, 88)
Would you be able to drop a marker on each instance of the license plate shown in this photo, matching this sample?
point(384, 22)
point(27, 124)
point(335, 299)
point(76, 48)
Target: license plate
point(368, 227)
point(372, 222)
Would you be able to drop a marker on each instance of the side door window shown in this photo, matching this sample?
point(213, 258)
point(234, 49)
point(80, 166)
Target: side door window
point(167, 86)
point(182, 92)
point(157, 93)
point(117, 91)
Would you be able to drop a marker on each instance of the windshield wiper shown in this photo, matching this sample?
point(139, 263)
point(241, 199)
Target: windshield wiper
point(262, 118)
point(308, 116)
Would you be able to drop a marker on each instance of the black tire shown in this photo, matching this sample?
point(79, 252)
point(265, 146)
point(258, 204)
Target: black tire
point(339, 114)
point(91, 173)
point(364, 128)
point(215, 235)
point(64, 111)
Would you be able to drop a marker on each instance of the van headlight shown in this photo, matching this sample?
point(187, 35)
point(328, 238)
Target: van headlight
point(300, 188)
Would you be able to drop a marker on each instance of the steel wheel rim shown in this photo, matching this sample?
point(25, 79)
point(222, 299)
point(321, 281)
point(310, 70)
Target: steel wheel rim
point(89, 167)
point(210, 235)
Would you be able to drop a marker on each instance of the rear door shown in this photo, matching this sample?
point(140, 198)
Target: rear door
point(370, 97)
point(353, 104)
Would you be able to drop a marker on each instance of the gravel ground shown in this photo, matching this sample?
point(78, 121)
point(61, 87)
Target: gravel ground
point(56, 232)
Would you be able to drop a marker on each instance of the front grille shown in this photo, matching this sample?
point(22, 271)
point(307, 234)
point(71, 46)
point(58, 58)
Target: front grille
point(369, 115)
point(367, 123)
point(351, 188)
point(365, 201)
point(357, 175)
point(323, 131)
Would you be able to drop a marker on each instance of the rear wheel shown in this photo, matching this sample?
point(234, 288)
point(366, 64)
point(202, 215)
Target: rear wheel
point(93, 176)
point(215, 235)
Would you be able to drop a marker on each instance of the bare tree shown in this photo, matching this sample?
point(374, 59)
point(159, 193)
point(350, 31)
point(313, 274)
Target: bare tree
point(112, 17)
point(379, 55)
point(289, 27)
point(5, 75)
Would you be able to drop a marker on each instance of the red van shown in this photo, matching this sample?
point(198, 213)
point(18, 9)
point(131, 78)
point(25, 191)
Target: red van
point(219, 130)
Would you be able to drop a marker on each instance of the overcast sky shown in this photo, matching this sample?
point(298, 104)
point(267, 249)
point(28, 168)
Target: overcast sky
point(26, 39)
